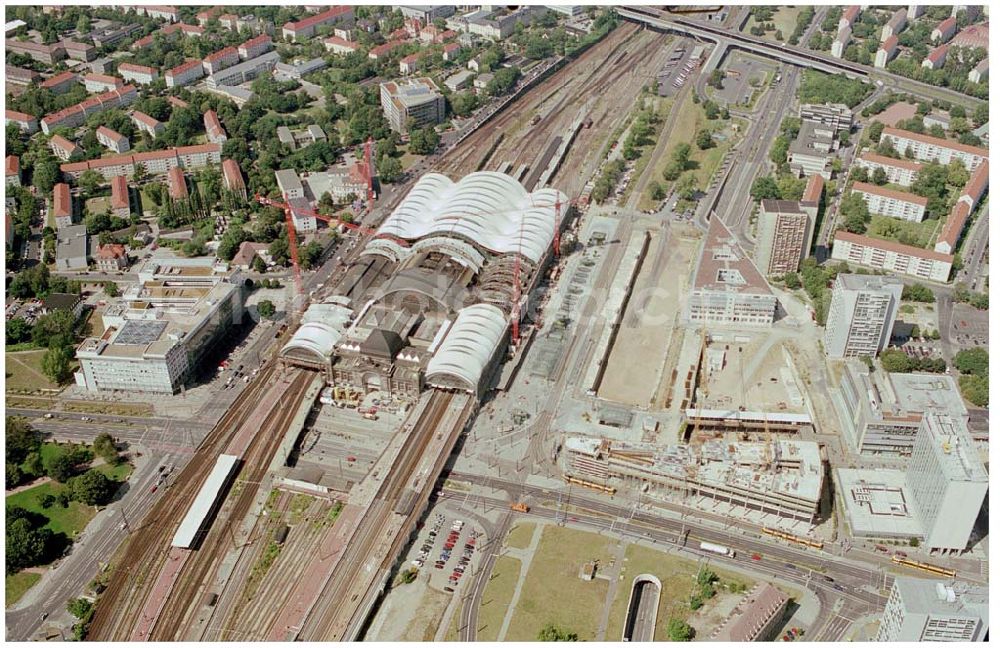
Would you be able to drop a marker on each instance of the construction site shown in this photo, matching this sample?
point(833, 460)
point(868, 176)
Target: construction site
point(332, 452)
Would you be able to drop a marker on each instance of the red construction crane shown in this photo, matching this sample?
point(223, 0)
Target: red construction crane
point(293, 244)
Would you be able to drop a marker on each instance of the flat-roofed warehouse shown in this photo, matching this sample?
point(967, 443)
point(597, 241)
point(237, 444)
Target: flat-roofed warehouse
point(432, 292)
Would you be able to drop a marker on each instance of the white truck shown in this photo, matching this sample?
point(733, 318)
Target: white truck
point(718, 549)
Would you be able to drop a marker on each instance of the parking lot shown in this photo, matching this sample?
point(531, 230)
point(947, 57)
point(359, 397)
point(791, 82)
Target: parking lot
point(970, 326)
point(445, 549)
point(743, 75)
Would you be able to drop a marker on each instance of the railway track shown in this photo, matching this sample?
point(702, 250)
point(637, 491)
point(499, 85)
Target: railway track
point(120, 605)
point(192, 586)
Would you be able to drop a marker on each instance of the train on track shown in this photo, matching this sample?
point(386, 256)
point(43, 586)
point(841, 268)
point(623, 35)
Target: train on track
point(790, 537)
point(922, 566)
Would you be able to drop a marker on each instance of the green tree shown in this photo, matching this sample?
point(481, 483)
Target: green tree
point(679, 630)
point(309, 255)
point(918, 292)
point(92, 488)
point(423, 141)
point(656, 192)
point(13, 475)
point(975, 361)
point(81, 608)
point(879, 176)
point(258, 265)
point(56, 363)
point(704, 139)
point(552, 633)
point(854, 211)
point(896, 361)
point(390, 169)
point(779, 150)
point(792, 281)
point(975, 389)
point(266, 308)
point(21, 439)
point(106, 448)
point(18, 330)
point(27, 542)
point(764, 188)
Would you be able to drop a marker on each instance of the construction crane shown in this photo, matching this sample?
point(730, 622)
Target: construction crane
point(293, 244)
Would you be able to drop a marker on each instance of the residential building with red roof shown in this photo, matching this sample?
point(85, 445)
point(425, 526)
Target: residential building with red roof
point(27, 123)
point(928, 148)
point(203, 17)
point(47, 54)
point(152, 162)
point(184, 74)
point(892, 256)
point(226, 57)
point(897, 171)
point(895, 25)
point(62, 205)
point(147, 124)
point(408, 64)
point(936, 57)
point(339, 45)
point(60, 83)
point(85, 52)
point(255, 47)
point(177, 102)
point(112, 139)
point(981, 72)
point(232, 177)
point(120, 201)
point(20, 76)
point(887, 51)
point(77, 114)
point(62, 148)
point(111, 257)
point(945, 30)
point(972, 193)
point(450, 51)
point(141, 74)
point(849, 16)
point(890, 202)
point(382, 51)
point(101, 82)
point(177, 184)
point(12, 171)
point(341, 15)
point(813, 192)
point(213, 128)
point(755, 618)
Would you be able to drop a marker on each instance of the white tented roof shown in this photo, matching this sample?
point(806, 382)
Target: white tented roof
point(492, 209)
point(321, 330)
point(469, 345)
point(204, 502)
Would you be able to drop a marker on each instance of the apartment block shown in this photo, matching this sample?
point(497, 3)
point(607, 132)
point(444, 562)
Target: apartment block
point(889, 202)
point(79, 51)
point(898, 172)
point(213, 128)
point(60, 83)
point(255, 47)
point(27, 123)
point(945, 30)
point(149, 125)
point(862, 311)
point(62, 206)
point(62, 148)
point(841, 42)
point(12, 174)
point(895, 25)
point(412, 103)
point(101, 82)
point(849, 16)
point(886, 52)
point(184, 74)
point(141, 74)
point(338, 45)
point(784, 235)
point(177, 184)
point(936, 57)
point(112, 139)
point(47, 54)
point(948, 482)
point(77, 114)
point(232, 178)
point(341, 15)
point(121, 204)
point(972, 193)
point(891, 256)
point(152, 162)
point(927, 148)
point(216, 61)
point(981, 72)
point(928, 610)
point(20, 76)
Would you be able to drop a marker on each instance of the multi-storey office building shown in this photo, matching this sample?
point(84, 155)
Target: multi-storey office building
point(862, 311)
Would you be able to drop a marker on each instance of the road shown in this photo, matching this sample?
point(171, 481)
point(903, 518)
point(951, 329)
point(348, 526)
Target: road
point(799, 56)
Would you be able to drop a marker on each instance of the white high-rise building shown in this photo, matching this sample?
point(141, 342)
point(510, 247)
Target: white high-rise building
point(926, 610)
point(862, 310)
point(947, 480)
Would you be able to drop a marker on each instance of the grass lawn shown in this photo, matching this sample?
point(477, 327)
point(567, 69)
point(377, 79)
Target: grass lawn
point(677, 577)
point(553, 592)
point(17, 585)
point(520, 536)
point(921, 235)
point(147, 203)
point(24, 372)
point(408, 160)
point(98, 205)
point(783, 19)
point(497, 598)
point(70, 520)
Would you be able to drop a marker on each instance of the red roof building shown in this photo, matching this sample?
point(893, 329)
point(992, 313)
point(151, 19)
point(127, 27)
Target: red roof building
point(176, 184)
point(233, 178)
point(62, 205)
point(307, 27)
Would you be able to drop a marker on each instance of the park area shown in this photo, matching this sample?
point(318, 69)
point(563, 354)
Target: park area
point(24, 374)
point(54, 491)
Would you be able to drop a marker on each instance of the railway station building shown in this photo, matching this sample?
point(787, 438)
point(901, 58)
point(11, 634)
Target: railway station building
point(431, 295)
